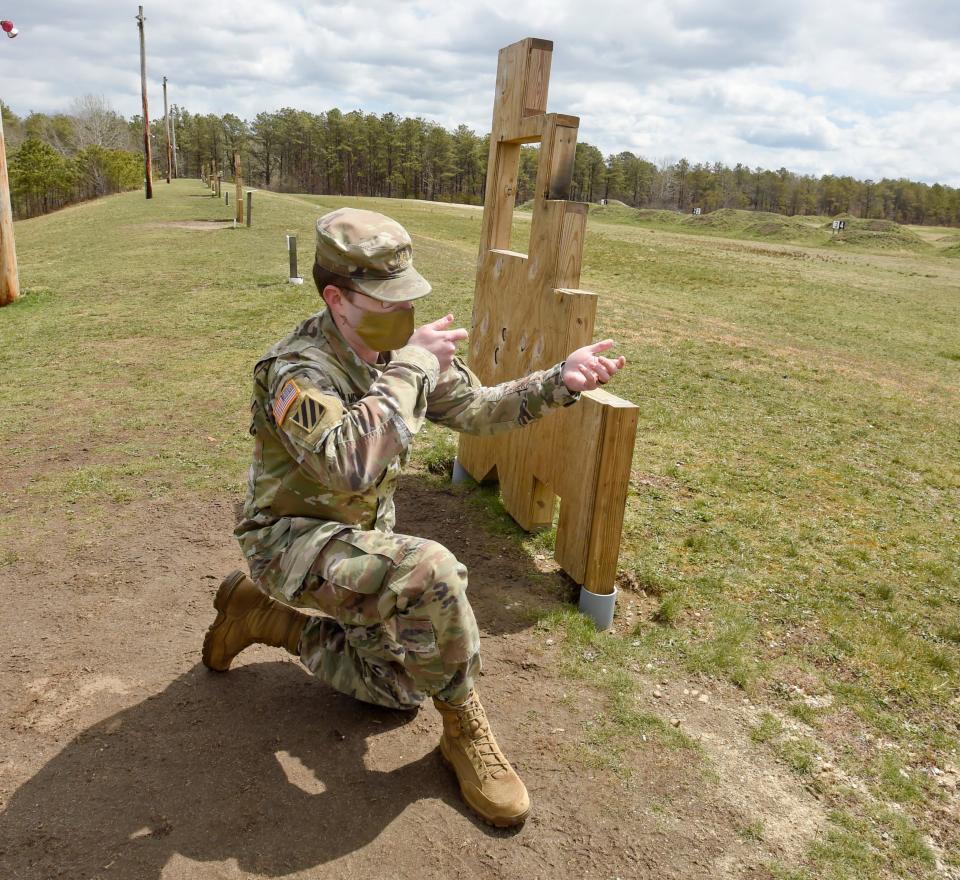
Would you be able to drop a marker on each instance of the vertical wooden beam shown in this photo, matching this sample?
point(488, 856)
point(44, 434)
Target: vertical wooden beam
point(166, 125)
point(523, 76)
point(501, 197)
point(539, 55)
point(588, 535)
point(292, 253)
point(173, 133)
point(238, 181)
point(9, 275)
point(147, 154)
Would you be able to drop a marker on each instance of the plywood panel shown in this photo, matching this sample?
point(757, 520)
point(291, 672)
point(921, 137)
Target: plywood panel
point(528, 315)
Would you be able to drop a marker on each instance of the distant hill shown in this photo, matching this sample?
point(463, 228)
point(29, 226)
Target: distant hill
point(766, 226)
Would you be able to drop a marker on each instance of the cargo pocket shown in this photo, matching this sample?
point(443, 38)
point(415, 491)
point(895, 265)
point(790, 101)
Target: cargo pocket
point(359, 560)
point(416, 636)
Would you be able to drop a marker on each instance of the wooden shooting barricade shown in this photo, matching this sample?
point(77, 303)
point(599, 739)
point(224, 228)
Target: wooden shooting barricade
point(529, 315)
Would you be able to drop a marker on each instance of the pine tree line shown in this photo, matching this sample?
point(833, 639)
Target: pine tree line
point(60, 158)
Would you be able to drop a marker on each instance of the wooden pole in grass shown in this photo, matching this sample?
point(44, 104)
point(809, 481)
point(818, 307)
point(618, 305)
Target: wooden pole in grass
point(9, 276)
point(166, 125)
point(173, 135)
point(238, 182)
point(148, 158)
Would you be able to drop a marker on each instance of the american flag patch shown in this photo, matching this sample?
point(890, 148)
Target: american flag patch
point(288, 396)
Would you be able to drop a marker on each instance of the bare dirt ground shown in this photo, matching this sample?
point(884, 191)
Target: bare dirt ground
point(123, 757)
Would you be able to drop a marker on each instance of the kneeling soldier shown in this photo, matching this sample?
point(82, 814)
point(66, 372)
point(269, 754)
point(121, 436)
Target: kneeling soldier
point(335, 407)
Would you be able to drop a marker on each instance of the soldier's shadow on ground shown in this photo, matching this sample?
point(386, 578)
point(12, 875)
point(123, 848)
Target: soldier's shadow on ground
point(202, 769)
point(199, 770)
point(506, 588)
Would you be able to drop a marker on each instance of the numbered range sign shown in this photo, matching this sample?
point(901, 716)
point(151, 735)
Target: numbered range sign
point(839, 224)
point(698, 211)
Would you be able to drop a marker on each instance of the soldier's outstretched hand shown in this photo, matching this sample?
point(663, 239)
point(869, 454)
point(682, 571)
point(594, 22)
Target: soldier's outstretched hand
point(586, 368)
point(439, 339)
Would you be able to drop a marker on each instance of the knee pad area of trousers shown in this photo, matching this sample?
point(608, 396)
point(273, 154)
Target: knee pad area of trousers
point(435, 564)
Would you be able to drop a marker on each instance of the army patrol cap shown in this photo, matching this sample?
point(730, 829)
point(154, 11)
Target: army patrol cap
point(373, 251)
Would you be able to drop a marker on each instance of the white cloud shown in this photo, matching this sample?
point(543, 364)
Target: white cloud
point(862, 88)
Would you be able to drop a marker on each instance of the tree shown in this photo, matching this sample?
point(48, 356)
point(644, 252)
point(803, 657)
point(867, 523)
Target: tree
point(363, 154)
point(57, 131)
point(12, 128)
point(96, 124)
point(40, 178)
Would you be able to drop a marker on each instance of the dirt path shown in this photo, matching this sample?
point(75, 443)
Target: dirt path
point(123, 757)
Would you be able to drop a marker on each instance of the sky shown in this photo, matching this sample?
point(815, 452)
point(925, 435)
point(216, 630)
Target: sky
point(870, 89)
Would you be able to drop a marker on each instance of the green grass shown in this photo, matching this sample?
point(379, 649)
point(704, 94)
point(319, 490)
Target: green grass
point(603, 660)
point(767, 729)
point(753, 831)
point(796, 476)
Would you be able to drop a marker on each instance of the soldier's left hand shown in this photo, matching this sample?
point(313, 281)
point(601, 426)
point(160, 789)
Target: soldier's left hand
point(586, 368)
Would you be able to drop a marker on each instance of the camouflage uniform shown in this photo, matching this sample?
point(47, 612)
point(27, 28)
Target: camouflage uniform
point(332, 433)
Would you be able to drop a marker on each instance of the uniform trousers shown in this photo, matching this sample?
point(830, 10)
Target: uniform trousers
point(398, 626)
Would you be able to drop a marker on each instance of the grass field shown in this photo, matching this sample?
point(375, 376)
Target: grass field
point(792, 514)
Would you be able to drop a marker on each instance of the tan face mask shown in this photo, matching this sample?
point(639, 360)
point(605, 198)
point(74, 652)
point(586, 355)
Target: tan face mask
point(385, 331)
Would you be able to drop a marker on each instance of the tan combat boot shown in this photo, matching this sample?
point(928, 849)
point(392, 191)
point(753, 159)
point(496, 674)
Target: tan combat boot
point(488, 783)
point(247, 616)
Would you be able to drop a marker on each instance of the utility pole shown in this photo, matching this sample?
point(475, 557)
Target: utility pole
point(173, 130)
point(9, 275)
point(166, 125)
point(148, 157)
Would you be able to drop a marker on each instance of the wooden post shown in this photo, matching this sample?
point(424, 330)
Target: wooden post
point(292, 250)
point(9, 276)
point(148, 157)
point(238, 182)
point(166, 125)
point(173, 132)
point(213, 177)
point(249, 207)
point(528, 315)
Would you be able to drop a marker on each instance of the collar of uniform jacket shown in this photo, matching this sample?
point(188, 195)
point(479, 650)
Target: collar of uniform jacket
point(360, 372)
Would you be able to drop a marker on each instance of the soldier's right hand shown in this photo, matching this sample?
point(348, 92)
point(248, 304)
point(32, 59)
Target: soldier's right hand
point(439, 340)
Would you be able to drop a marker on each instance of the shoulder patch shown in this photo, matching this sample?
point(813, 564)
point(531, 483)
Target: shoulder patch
point(307, 414)
point(316, 412)
point(288, 396)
